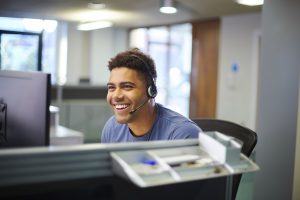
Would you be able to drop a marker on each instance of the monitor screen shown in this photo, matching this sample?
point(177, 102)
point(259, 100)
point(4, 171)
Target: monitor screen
point(24, 109)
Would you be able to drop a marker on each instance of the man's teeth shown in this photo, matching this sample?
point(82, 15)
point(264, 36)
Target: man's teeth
point(123, 106)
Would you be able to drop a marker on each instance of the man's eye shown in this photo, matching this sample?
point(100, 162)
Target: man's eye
point(128, 87)
point(110, 88)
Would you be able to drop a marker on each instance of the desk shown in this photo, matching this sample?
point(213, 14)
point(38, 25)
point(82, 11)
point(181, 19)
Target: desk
point(60, 135)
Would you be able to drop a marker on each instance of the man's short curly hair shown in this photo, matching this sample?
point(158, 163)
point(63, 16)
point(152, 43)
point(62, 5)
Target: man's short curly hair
point(137, 60)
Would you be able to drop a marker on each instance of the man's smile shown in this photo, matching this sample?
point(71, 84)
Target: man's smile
point(121, 106)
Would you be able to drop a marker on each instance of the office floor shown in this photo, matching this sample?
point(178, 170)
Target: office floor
point(245, 191)
point(246, 186)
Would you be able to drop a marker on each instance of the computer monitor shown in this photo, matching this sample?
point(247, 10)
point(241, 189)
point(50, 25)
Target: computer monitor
point(24, 109)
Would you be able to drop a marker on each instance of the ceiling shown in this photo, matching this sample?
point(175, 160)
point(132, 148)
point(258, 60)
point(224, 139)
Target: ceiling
point(123, 13)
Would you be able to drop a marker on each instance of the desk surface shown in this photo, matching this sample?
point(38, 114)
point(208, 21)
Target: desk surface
point(60, 135)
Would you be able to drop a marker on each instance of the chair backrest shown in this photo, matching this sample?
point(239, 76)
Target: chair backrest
point(245, 135)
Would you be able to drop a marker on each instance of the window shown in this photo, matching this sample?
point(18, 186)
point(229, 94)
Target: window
point(28, 44)
point(171, 48)
point(20, 51)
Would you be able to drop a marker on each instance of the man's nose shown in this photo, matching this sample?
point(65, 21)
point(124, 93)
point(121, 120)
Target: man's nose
point(118, 94)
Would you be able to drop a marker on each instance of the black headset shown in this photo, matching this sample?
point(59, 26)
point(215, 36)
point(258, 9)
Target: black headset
point(151, 90)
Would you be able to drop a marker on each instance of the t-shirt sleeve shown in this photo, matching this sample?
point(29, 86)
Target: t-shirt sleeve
point(104, 138)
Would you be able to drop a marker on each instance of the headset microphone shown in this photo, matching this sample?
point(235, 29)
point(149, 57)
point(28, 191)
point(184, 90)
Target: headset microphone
point(137, 108)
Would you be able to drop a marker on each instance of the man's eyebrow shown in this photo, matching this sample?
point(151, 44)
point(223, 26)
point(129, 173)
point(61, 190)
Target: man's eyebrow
point(127, 82)
point(122, 83)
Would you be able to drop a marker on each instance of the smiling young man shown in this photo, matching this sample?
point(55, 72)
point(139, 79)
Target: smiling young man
point(131, 95)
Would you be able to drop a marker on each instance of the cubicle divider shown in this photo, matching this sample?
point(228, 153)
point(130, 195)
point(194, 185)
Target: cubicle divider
point(82, 108)
point(91, 171)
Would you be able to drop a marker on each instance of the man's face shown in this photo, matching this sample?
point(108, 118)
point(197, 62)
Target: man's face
point(126, 91)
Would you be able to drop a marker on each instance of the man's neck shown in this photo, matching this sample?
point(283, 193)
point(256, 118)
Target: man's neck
point(144, 122)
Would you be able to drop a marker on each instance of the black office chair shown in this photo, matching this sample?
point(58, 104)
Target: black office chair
point(243, 134)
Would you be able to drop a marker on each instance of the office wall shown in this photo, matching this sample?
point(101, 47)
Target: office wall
point(238, 64)
point(78, 54)
point(89, 52)
point(104, 44)
point(278, 100)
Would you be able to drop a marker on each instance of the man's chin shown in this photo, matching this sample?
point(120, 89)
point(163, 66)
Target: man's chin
point(122, 120)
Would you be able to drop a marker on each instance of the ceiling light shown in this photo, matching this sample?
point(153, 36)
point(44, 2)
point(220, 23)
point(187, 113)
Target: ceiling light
point(96, 5)
point(250, 2)
point(168, 6)
point(94, 25)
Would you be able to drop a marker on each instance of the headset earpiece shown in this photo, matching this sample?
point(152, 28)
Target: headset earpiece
point(152, 91)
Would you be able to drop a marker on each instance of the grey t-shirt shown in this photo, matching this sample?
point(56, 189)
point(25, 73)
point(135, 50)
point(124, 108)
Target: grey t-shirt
point(168, 125)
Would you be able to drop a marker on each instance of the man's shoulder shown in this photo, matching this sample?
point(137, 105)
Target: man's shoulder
point(171, 116)
point(179, 126)
point(175, 120)
point(111, 120)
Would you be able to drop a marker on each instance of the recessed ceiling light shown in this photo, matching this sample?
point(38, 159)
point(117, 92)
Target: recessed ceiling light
point(96, 5)
point(168, 6)
point(168, 10)
point(250, 2)
point(94, 25)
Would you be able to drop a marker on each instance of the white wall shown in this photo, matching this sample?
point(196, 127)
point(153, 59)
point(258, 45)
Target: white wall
point(237, 92)
point(89, 52)
point(78, 54)
point(104, 44)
